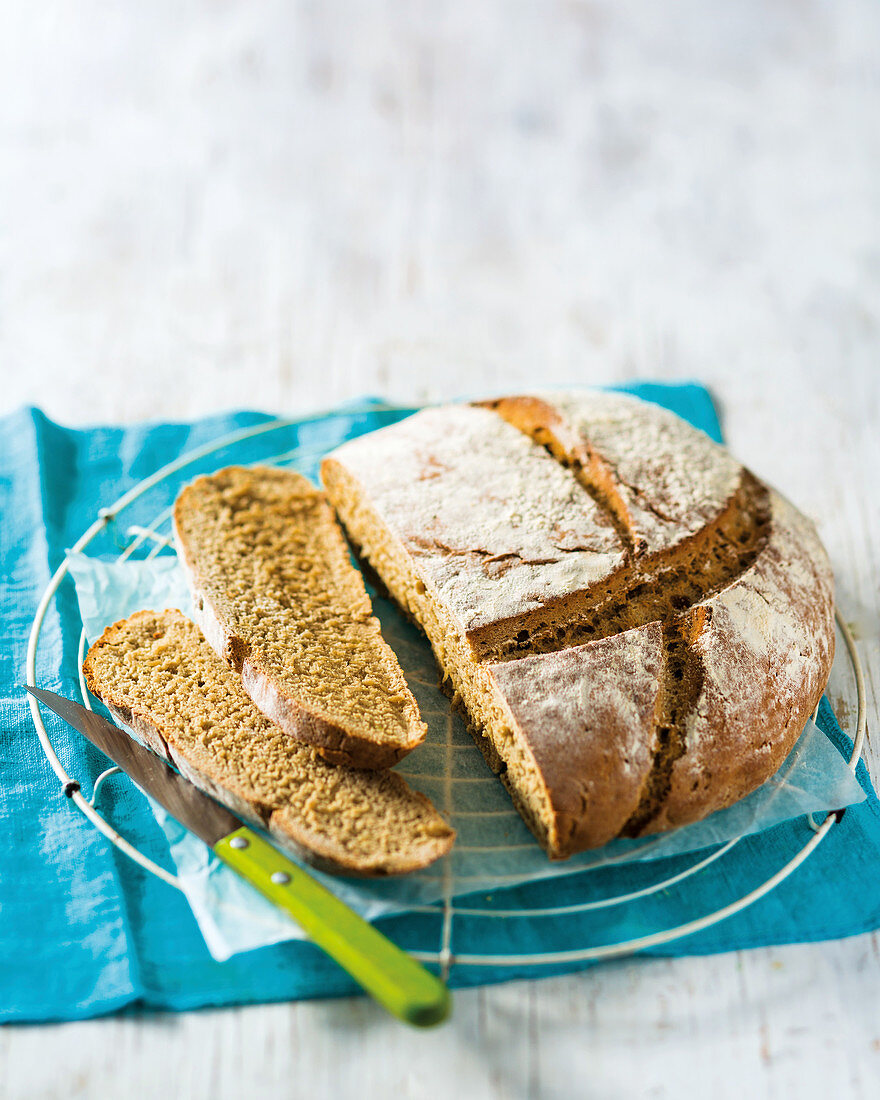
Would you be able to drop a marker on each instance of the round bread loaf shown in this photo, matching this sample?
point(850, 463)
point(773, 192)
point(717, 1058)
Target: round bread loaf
point(636, 626)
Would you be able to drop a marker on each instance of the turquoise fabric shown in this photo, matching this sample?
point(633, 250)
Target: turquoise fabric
point(83, 931)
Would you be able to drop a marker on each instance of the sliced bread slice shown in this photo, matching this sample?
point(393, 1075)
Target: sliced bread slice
point(277, 596)
point(158, 675)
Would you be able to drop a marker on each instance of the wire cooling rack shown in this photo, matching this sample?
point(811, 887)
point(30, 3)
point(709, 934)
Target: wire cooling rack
point(147, 539)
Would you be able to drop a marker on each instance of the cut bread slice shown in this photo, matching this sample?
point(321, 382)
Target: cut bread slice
point(278, 598)
point(158, 675)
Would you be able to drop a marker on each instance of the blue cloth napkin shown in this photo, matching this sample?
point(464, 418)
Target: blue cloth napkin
point(84, 931)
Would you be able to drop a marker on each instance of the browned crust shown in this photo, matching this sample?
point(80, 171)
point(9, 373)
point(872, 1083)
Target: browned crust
point(283, 823)
point(586, 615)
point(336, 743)
point(739, 737)
point(596, 784)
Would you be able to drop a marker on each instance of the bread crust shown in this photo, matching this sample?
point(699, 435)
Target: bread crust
point(588, 715)
point(765, 645)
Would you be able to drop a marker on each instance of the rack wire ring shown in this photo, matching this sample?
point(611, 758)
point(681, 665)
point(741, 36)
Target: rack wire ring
point(445, 957)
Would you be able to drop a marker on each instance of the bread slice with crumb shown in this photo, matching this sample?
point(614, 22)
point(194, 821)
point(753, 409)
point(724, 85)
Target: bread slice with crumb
point(278, 598)
point(158, 676)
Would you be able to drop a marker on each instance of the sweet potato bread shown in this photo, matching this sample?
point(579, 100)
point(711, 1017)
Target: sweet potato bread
point(159, 676)
point(635, 625)
point(278, 598)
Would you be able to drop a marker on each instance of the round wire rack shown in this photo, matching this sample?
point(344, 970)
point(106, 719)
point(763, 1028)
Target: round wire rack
point(149, 535)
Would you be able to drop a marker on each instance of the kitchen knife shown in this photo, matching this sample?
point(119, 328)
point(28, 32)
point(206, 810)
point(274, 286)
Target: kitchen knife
point(392, 977)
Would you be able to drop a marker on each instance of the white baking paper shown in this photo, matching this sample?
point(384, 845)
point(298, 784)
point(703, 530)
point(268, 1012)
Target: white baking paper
point(493, 850)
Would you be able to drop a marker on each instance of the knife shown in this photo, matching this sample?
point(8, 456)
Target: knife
point(393, 978)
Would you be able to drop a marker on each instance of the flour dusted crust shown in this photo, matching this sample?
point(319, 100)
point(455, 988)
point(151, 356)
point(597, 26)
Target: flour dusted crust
point(653, 664)
point(765, 646)
point(588, 715)
point(665, 479)
point(497, 527)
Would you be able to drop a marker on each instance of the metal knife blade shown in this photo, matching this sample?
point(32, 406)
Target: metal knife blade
point(198, 812)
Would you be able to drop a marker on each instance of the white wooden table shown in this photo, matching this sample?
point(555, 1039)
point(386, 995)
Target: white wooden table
point(282, 205)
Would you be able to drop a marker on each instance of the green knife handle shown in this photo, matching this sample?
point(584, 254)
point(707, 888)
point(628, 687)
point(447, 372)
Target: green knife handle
point(392, 977)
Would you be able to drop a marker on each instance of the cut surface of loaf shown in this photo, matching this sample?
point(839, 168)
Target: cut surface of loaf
point(663, 591)
point(277, 596)
point(156, 673)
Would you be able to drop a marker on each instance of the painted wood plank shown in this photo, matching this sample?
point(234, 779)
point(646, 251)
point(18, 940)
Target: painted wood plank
point(284, 205)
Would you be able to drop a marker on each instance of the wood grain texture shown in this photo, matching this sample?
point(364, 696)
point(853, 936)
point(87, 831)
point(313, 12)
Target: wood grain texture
point(285, 204)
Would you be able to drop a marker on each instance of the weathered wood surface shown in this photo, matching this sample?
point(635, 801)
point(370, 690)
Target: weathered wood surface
point(282, 205)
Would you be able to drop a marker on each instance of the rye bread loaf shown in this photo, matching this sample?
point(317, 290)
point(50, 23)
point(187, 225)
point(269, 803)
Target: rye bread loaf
point(636, 626)
point(278, 598)
point(158, 675)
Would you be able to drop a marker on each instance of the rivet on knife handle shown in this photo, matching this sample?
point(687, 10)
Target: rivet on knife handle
point(387, 973)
